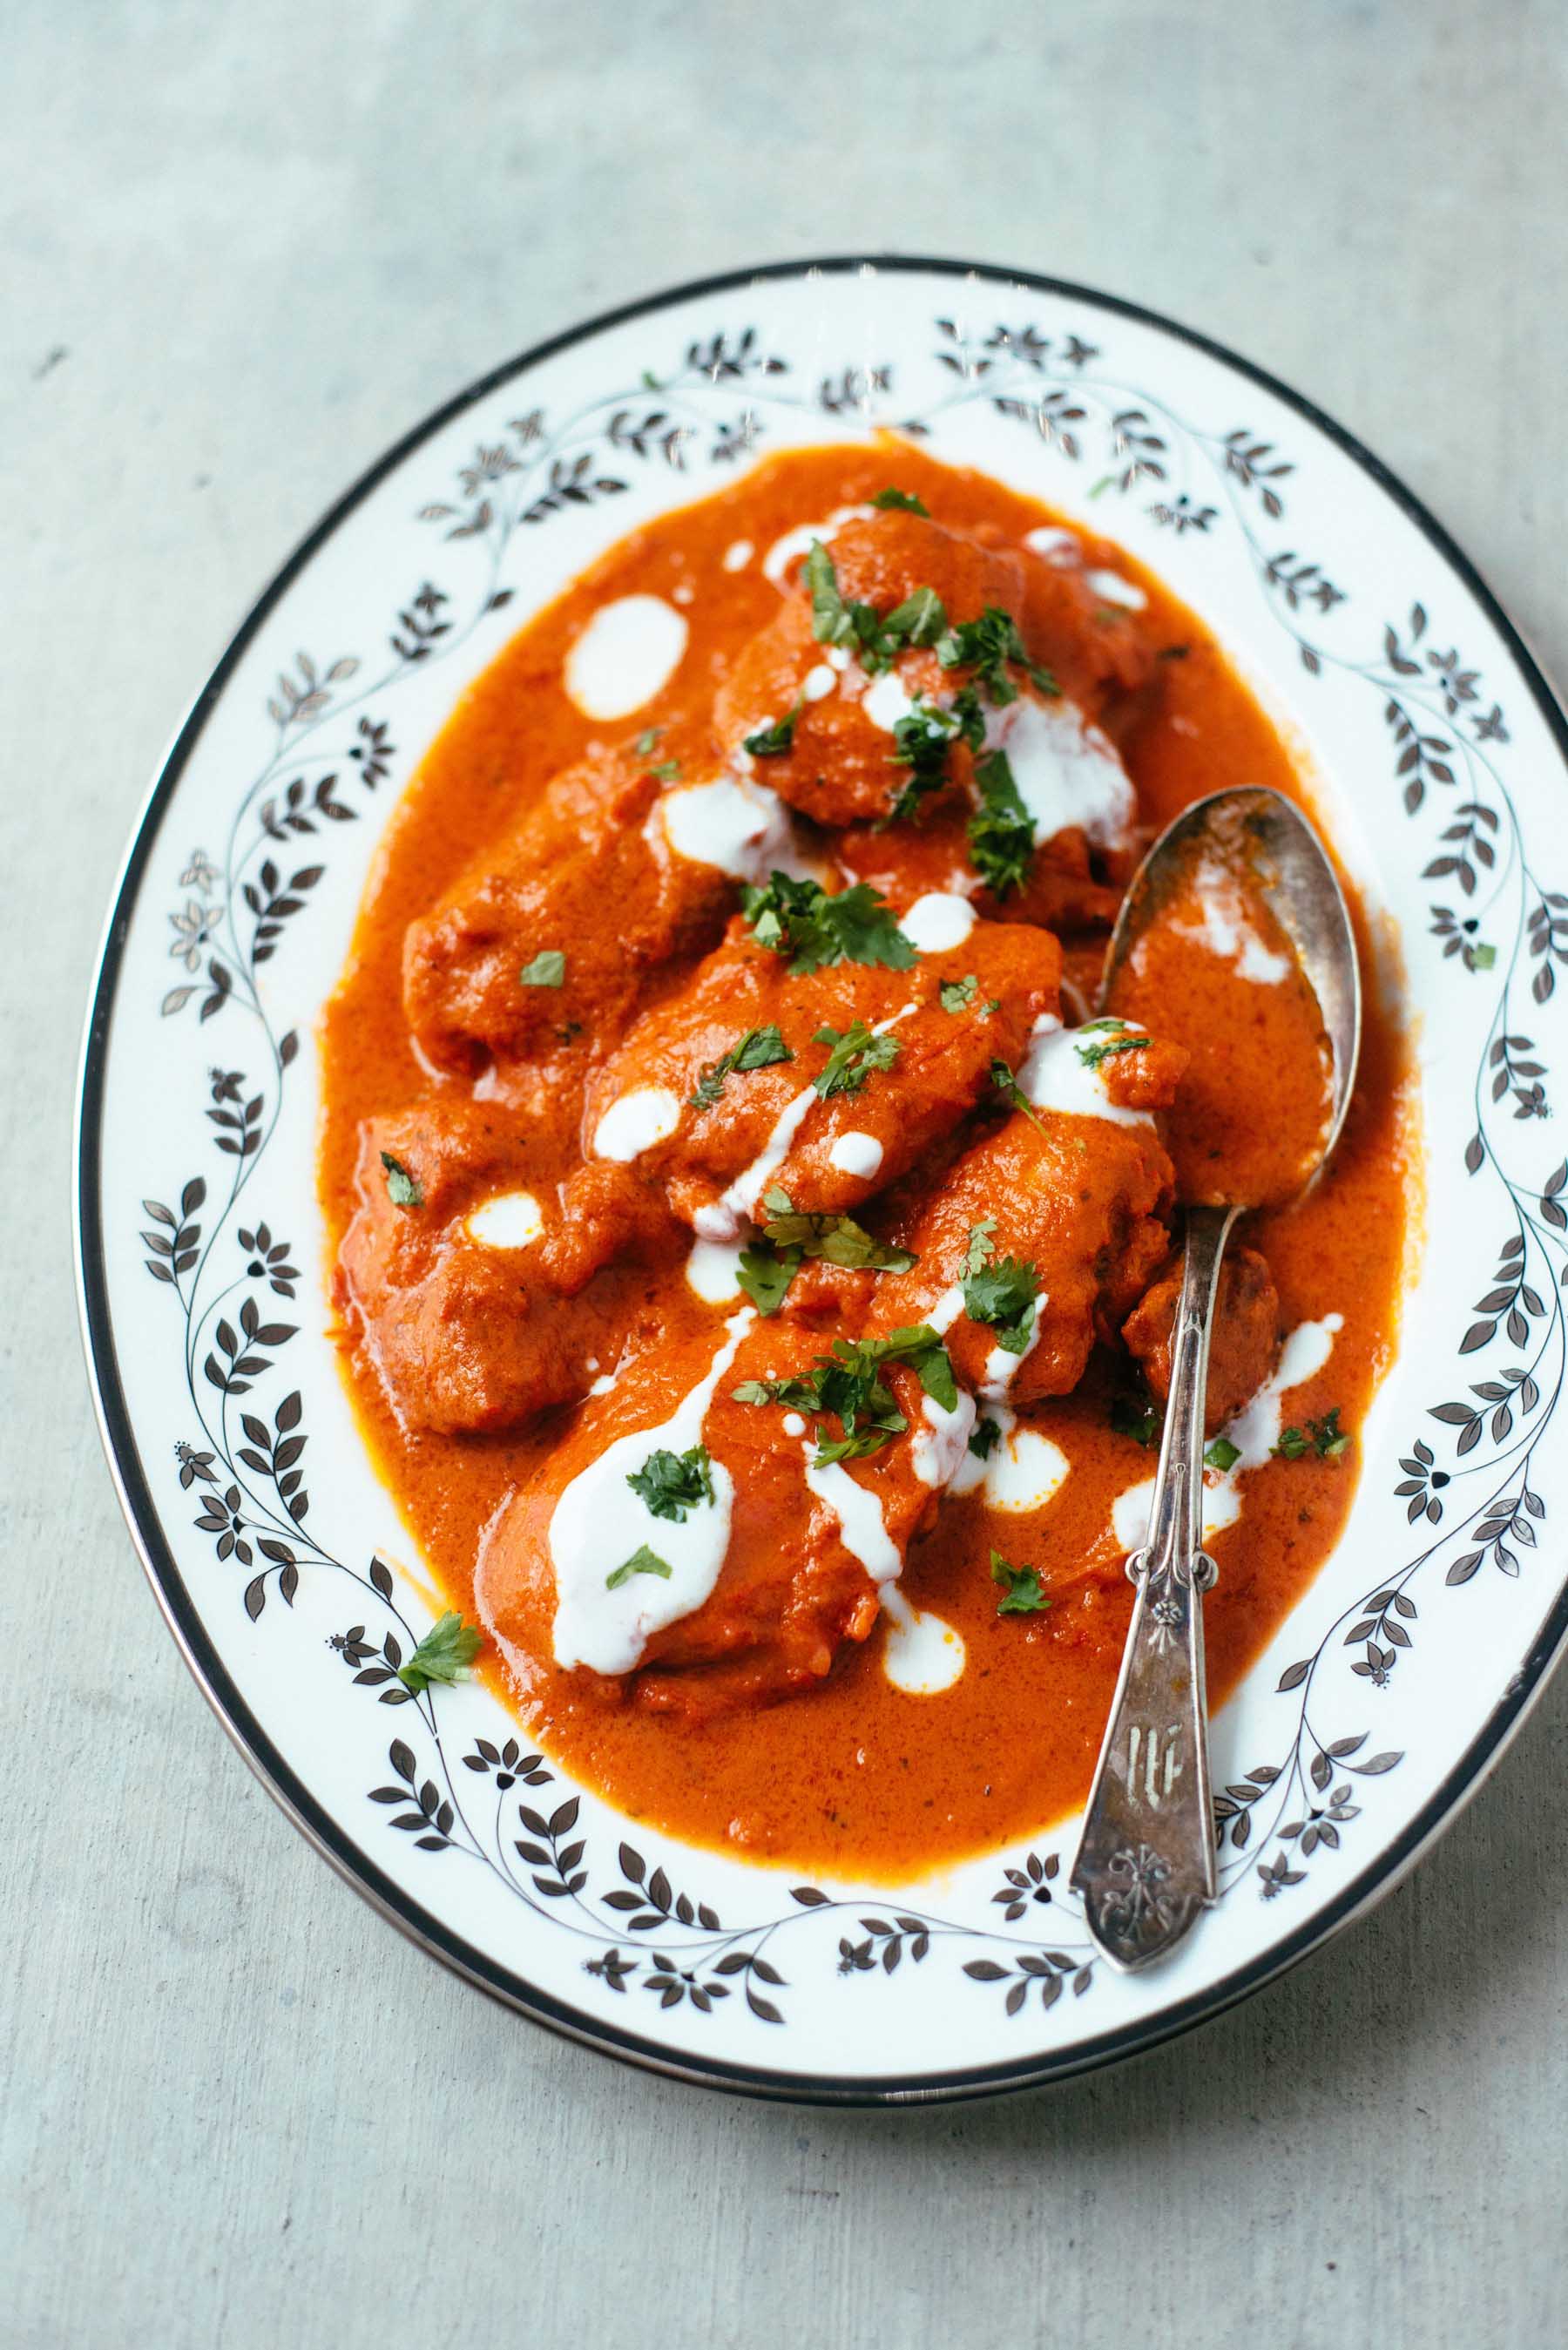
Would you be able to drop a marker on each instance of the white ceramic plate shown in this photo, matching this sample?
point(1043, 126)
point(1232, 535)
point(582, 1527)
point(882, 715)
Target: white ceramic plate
point(1440, 752)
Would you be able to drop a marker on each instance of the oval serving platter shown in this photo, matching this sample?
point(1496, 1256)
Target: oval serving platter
point(1436, 753)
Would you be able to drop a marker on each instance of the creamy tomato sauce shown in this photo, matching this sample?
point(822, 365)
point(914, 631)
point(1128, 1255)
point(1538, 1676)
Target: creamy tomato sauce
point(567, 1083)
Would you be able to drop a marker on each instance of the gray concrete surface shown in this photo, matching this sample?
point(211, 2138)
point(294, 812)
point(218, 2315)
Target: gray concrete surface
point(240, 250)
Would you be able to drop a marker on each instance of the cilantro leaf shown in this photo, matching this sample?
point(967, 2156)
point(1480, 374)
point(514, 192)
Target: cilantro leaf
point(671, 1483)
point(1138, 1415)
point(923, 739)
point(1021, 1591)
point(855, 1054)
point(642, 1560)
point(984, 1437)
point(987, 646)
point(1001, 1294)
point(901, 502)
point(978, 1248)
point(800, 919)
point(765, 1272)
point(1001, 830)
point(444, 1655)
point(666, 772)
point(759, 1048)
point(1221, 1455)
point(648, 742)
point(1115, 1037)
point(958, 995)
point(770, 742)
point(1324, 1437)
point(548, 969)
point(920, 619)
point(404, 1190)
point(847, 1384)
point(1007, 1085)
point(836, 1239)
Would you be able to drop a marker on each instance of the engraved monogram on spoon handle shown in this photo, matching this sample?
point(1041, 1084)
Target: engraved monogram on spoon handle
point(1147, 1862)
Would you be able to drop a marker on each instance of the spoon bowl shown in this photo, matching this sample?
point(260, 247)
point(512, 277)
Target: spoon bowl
point(1147, 1864)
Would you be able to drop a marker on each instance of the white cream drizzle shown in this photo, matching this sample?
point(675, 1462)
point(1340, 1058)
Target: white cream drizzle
point(647, 1114)
point(742, 828)
point(1254, 1432)
point(796, 542)
point(628, 650)
point(923, 1654)
point(861, 1526)
point(855, 1154)
point(1052, 1075)
point(940, 1449)
point(599, 1521)
point(1002, 1367)
point(885, 701)
point(1066, 771)
point(1056, 545)
point(937, 922)
point(819, 682)
point(738, 554)
point(1225, 932)
point(713, 1271)
point(512, 1220)
point(1112, 588)
point(1022, 1472)
point(722, 1218)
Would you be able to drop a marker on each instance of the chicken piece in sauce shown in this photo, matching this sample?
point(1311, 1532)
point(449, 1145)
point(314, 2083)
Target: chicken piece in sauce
point(828, 1123)
point(1246, 1337)
point(590, 874)
point(776, 1560)
point(1039, 1238)
point(478, 1305)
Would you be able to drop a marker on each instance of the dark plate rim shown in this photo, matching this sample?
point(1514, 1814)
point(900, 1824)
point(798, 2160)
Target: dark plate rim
point(331, 1839)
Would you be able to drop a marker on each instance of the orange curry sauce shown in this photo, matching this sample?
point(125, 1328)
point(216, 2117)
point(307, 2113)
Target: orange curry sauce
point(851, 1775)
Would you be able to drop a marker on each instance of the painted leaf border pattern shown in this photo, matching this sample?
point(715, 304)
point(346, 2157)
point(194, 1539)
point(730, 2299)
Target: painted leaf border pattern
point(1465, 1480)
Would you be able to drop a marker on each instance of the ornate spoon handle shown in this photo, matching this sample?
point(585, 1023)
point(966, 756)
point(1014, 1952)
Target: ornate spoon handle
point(1147, 1862)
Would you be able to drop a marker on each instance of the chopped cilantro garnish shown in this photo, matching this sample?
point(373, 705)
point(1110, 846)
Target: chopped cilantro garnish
point(548, 969)
point(1324, 1437)
point(642, 1560)
point(854, 1056)
point(984, 1437)
point(404, 1190)
point(1115, 1037)
point(920, 619)
point(1021, 1591)
point(901, 502)
point(800, 919)
point(648, 742)
point(987, 646)
point(770, 742)
point(765, 1272)
point(666, 772)
point(923, 740)
point(671, 1484)
point(759, 1048)
point(1002, 1292)
point(1135, 1415)
point(848, 1385)
point(1007, 1085)
point(978, 1248)
point(444, 1655)
point(836, 1239)
point(1221, 1455)
point(958, 995)
point(1001, 830)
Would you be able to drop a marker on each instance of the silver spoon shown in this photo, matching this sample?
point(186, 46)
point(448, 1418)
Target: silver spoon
point(1147, 1864)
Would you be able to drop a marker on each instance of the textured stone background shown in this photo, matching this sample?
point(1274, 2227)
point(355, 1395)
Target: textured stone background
point(241, 249)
